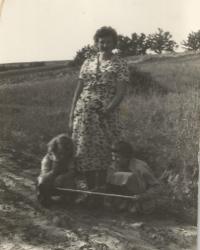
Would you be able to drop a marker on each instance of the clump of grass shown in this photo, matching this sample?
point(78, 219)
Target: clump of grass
point(178, 74)
point(48, 92)
point(164, 129)
point(142, 83)
point(34, 111)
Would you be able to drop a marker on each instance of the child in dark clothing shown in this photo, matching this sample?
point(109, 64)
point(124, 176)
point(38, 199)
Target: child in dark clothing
point(128, 175)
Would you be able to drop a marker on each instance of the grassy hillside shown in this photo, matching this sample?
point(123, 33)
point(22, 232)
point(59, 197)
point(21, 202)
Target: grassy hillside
point(172, 119)
point(163, 127)
point(177, 73)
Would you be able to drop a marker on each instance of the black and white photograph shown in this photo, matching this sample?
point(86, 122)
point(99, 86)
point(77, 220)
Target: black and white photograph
point(99, 124)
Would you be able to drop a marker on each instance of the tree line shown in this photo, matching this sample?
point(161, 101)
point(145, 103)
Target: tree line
point(139, 44)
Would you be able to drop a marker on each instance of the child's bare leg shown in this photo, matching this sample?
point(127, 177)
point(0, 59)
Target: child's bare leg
point(134, 207)
point(101, 179)
point(65, 181)
point(45, 189)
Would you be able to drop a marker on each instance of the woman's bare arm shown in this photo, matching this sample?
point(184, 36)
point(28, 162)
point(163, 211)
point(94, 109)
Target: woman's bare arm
point(77, 93)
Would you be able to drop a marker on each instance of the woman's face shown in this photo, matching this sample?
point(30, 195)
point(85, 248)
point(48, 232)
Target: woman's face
point(105, 44)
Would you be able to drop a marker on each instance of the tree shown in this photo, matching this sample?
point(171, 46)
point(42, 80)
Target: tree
point(124, 44)
point(139, 44)
point(82, 54)
point(193, 41)
point(161, 41)
point(136, 45)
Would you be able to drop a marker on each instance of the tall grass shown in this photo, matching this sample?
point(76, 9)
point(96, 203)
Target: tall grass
point(163, 130)
point(177, 74)
point(162, 127)
point(35, 110)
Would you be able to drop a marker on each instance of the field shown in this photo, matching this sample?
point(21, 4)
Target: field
point(160, 114)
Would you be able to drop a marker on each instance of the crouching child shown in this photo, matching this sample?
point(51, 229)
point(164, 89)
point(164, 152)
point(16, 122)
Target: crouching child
point(130, 176)
point(57, 169)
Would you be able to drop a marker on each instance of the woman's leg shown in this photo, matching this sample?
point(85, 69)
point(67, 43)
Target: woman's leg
point(101, 178)
point(96, 179)
point(91, 177)
point(65, 181)
point(81, 184)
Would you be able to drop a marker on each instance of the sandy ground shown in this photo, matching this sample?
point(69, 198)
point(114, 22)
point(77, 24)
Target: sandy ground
point(24, 224)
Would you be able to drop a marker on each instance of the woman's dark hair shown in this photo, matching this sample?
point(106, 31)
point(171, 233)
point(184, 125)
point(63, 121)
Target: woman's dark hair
point(105, 32)
point(123, 148)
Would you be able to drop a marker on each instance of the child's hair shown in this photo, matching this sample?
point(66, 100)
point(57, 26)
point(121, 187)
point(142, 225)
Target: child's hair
point(123, 148)
point(61, 144)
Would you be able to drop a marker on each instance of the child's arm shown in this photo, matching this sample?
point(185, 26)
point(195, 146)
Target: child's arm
point(111, 170)
point(147, 174)
point(46, 165)
point(50, 165)
point(46, 173)
point(150, 179)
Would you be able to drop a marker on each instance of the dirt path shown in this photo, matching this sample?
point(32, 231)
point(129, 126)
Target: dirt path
point(24, 224)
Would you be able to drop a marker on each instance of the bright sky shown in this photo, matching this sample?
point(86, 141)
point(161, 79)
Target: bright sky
point(37, 30)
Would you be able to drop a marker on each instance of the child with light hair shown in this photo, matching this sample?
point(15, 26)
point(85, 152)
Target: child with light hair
point(57, 169)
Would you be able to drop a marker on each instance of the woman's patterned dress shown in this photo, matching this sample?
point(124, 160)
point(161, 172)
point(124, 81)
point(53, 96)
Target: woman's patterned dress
point(94, 133)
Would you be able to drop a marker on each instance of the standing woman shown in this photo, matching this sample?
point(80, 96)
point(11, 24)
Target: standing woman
point(94, 117)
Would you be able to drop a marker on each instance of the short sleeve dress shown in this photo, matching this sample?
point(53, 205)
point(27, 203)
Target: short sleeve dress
point(94, 133)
